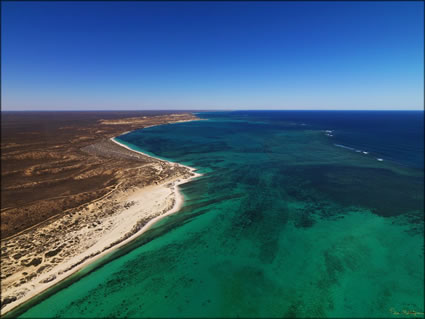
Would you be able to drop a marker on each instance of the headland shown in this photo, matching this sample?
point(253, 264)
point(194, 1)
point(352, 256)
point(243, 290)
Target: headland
point(127, 192)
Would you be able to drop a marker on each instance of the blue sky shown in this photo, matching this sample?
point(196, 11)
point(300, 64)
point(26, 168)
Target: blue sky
point(212, 55)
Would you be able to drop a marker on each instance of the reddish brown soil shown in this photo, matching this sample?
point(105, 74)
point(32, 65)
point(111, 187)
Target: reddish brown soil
point(49, 165)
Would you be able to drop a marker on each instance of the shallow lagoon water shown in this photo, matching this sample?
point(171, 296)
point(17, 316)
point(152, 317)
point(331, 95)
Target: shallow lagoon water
point(282, 224)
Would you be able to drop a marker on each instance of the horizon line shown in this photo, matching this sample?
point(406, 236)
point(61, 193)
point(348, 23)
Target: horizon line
point(216, 110)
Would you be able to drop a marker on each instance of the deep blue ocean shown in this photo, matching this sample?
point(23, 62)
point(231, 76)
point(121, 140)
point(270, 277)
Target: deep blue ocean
point(392, 135)
point(297, 214)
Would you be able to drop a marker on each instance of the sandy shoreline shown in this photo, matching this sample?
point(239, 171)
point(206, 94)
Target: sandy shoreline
point(141, 208)
point(156, 158)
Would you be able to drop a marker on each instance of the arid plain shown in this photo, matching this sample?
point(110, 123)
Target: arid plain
point(69, 193)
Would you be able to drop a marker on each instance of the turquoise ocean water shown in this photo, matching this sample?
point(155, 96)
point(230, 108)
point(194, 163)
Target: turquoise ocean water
point(293, 217)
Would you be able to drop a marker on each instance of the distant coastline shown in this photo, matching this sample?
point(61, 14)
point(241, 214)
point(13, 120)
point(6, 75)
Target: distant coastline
point(131, 227)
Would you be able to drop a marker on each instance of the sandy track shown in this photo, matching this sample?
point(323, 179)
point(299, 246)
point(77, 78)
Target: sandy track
point(45, 255)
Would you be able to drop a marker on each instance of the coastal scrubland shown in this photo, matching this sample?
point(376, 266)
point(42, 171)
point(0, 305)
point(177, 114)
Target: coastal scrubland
point(69, 193)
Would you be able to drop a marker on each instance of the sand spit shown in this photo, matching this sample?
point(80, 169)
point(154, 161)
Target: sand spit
point(45, 255)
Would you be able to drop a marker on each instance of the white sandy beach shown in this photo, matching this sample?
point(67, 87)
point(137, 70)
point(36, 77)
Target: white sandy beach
point(141, 208)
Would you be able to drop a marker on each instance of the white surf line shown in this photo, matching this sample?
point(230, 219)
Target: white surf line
point(159, 159)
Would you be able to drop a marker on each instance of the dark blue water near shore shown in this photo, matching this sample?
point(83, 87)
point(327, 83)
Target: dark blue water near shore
point(294, 216)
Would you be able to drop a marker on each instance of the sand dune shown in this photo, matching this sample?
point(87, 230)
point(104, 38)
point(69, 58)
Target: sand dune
point(50, 252)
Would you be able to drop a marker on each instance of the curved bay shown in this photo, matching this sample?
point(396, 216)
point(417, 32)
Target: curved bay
point(282, 224)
